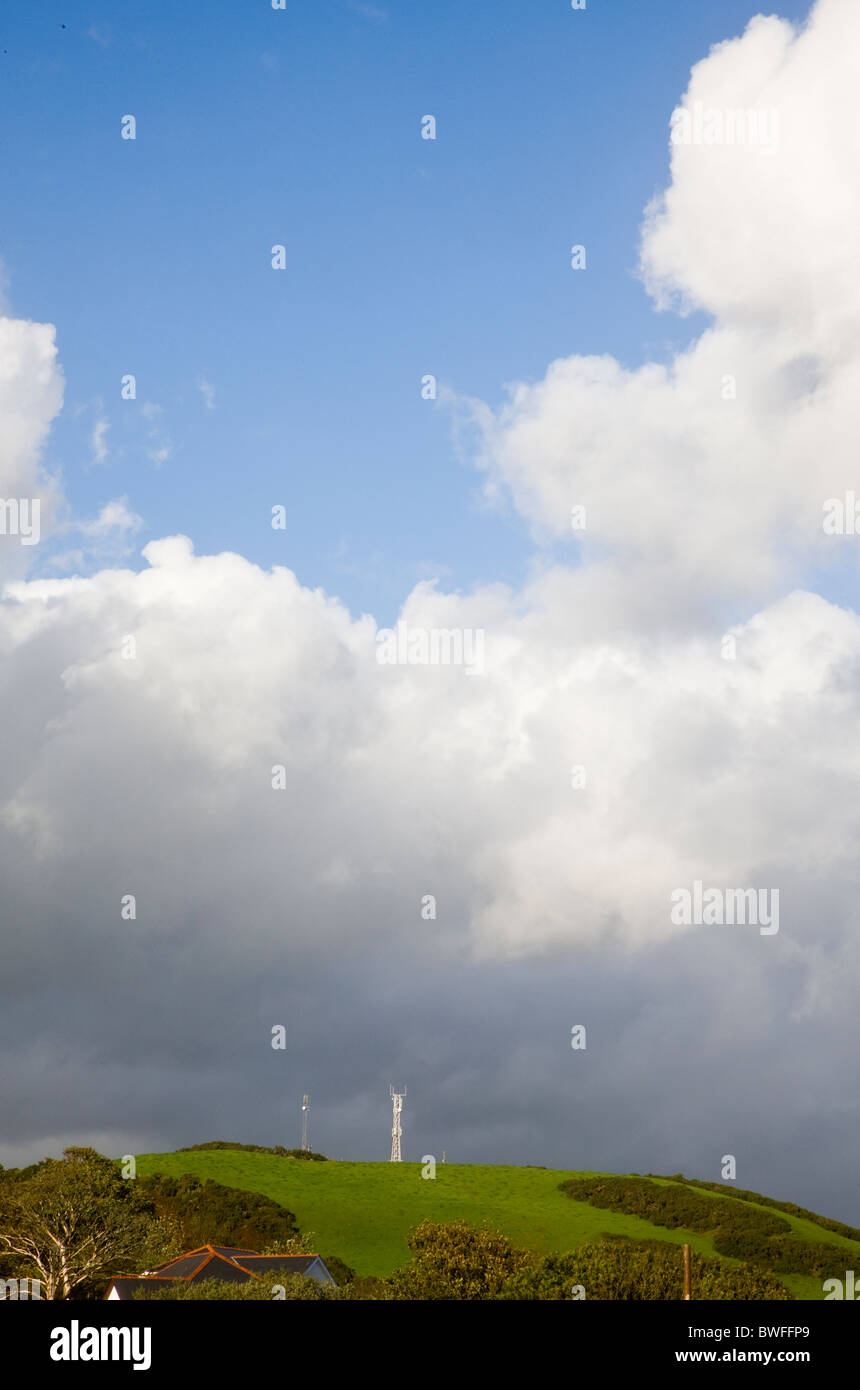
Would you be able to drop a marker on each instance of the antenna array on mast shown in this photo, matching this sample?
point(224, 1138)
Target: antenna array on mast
point(396, 1131)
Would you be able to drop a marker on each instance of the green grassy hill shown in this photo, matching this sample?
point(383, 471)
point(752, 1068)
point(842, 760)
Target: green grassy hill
point(363, 1211)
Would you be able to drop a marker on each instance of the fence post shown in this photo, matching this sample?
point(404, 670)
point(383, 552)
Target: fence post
point(688, 1278)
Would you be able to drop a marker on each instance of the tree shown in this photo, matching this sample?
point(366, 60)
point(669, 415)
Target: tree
point(296, 1243)
point(454, 1261)
point(74, 1221)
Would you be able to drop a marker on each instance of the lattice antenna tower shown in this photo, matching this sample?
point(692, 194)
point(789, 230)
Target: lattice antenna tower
point(306, 1105)
point(396, 1131)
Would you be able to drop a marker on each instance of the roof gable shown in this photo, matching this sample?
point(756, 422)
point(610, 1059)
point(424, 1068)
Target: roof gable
point(229, 1263)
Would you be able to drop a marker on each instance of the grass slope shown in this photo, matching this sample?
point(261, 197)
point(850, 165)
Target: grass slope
point(363, 1211)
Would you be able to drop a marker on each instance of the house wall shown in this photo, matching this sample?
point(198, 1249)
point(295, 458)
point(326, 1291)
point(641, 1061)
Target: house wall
point(319, 1272)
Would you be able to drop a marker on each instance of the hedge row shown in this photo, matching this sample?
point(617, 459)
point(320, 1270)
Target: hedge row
point(784, 1254)
point(674, 1206)
point(839, 1228)
point(278, 1151)
point(738, 1229)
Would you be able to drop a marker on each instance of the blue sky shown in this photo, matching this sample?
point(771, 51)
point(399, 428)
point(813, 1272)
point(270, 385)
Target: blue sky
point(404, 256)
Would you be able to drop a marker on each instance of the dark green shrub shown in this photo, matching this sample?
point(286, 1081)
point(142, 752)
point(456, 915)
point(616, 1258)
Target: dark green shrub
point(278, 1151)
point(208, 1214)
point(339, 1271)
point(790, 1208)
point(617, 1269)
point(784, 1254)
point(674, 1206)
point(738, 1228)
point(453, 1261)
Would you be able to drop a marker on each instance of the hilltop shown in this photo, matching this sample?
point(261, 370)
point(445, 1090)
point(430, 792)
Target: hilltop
point(363, 1211)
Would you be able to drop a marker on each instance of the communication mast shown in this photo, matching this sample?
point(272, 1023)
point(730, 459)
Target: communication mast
point(396, 1131)
point(306, 1105)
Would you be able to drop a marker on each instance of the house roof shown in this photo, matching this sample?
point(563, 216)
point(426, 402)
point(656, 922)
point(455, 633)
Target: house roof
point(182, 1265)
point(233, 1265)
point(261, 1264)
